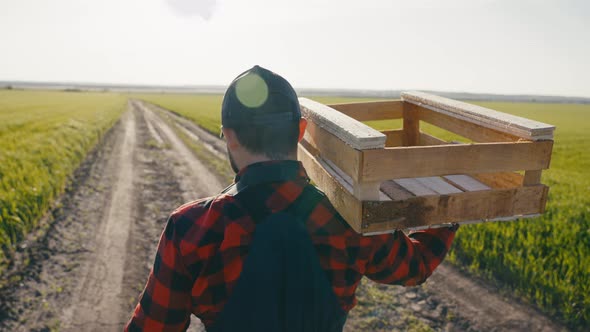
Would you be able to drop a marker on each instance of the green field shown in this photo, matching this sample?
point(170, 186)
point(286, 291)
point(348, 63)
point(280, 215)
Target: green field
point(44, 136)
point(547, 259)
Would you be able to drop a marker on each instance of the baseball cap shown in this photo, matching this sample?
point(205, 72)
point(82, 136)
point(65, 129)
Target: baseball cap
point(259, 97)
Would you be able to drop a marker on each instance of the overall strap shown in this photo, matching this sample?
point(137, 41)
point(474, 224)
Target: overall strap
point(305, 203)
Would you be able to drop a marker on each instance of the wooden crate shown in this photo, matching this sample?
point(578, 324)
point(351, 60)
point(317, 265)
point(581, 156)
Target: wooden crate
point(407, 179)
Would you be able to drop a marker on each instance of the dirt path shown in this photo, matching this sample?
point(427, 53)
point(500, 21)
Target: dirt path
point(98, 289)
point(85, 272)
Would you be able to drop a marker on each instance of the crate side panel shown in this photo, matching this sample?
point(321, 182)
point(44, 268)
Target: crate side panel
point(467, 206)
point(485, 117)
point(352, 132)
point(334, 149)
point(373, 110)
point(344, 202)
point(409, 162)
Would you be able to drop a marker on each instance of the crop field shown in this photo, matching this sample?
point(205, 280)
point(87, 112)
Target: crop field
point(44, 136)
point(545, 260)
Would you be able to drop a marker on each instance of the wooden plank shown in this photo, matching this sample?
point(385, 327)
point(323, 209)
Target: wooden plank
point(440, 209)
point(415, 187)
point(352, 132)
point(395, 191)
point(365, 191)
point(411, 124)
point(466, 182)
point(426, 140)
point(440, 186)
point(337, 173)
point(332, 148)
point(464, 128)
point(395, 138)
point(372, 110)
point(342, 200)
point(419, 228)
point(405, 162)
point(481, 116)
point(531, 177)
point(500, 180)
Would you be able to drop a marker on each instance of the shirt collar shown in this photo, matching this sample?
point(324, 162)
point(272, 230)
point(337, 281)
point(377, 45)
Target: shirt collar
point(270, 171)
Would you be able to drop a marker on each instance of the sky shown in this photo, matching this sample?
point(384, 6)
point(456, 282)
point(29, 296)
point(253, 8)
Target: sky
point(483, 46)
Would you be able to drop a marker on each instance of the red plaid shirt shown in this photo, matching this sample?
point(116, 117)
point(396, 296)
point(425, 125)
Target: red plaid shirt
point(204, 244)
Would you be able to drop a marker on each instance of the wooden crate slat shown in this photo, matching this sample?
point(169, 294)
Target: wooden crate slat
point(415, 187)
point(388, 163)
point(506, 123)
point(475, 205)
point(352, 132)
point(395, 191)
point(347, 205)
point(395, 138)
point(500, 180)
point(465, 128)
point(334, 149)
point(390, 226)
point(372, 110)
point(532, 177)
point(439, 185)
point(411, 124)
point(426, 139)
point(348, 181)
point(466, 182)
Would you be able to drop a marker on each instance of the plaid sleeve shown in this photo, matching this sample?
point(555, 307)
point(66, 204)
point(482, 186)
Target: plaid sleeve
point(165, 304)
point(408, 260)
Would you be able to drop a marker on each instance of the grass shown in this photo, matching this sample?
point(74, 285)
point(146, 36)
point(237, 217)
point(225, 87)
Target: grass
point(202, 109)
point(545, 260)
point(44, 136)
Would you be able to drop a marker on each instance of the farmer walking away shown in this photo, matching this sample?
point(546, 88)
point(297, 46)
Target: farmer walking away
point(270, 252)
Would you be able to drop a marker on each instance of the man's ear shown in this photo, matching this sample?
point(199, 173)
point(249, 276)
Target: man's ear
point(302, 126)
point(231, 138)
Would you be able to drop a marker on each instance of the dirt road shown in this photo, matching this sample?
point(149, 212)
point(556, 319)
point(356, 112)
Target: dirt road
point(84, 271)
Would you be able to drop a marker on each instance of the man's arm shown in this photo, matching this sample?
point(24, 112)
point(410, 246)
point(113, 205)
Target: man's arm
point(165, 304)
point(409, 260)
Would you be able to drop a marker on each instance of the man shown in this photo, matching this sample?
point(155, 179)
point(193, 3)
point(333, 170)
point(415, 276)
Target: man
point(270, 253)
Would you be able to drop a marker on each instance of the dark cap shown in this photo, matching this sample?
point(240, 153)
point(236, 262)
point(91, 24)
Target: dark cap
point(259, 97)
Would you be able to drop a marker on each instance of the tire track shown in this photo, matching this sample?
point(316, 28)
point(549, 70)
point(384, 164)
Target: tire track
point(97, 304)
point(196, 179)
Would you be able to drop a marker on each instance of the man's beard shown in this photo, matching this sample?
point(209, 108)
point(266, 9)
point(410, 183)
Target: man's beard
point(232, 162)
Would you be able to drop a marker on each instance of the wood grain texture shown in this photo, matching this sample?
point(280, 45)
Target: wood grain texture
point(531, 177)
point(407, 162)
point(373, 110)
point(412, 124)
point(440, 209)
point(395, 191)
point(438, 185)
point(466, 182)
point(334, 149)
point(395, 138)
point(343, 201)
point(500, 180)
point(426, 140)
point(481, 116)
point(347, 129)
point(415, 187)
point(465, 128)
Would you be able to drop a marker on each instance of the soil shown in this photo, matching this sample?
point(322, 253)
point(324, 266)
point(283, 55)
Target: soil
point(85, 271)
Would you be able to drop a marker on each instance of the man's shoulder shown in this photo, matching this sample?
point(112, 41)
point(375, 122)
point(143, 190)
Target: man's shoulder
point(195, 210)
